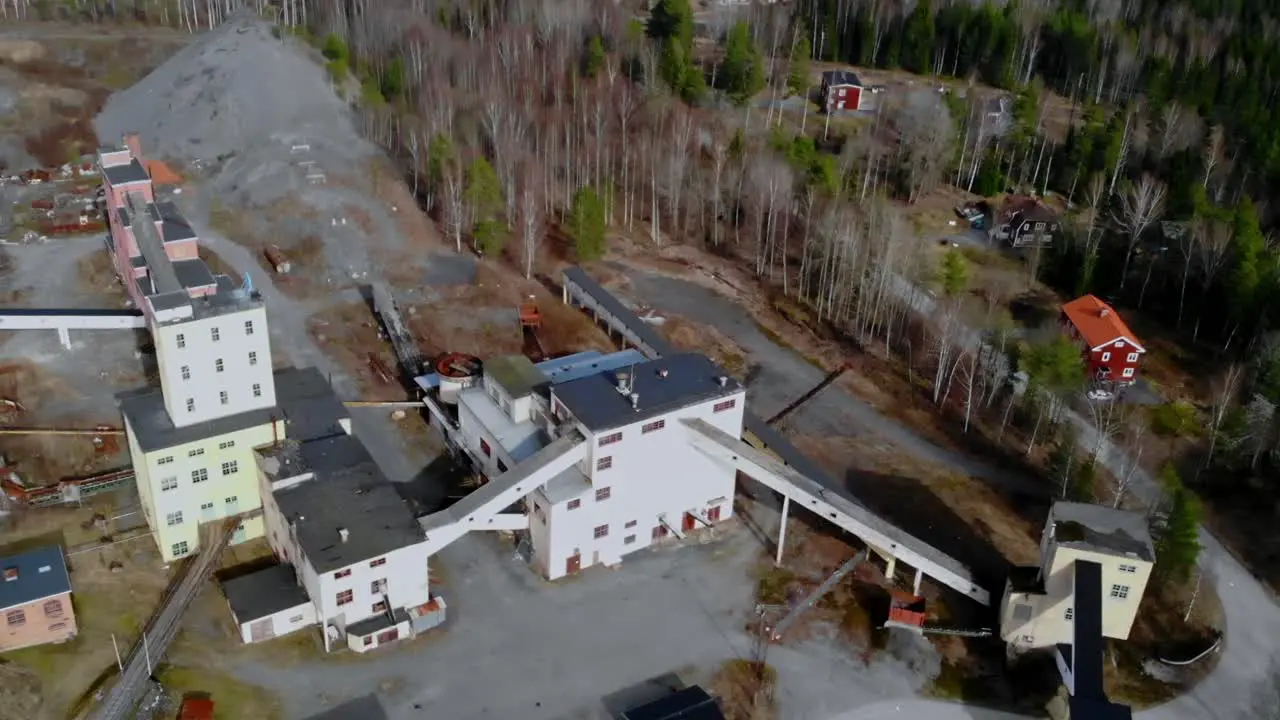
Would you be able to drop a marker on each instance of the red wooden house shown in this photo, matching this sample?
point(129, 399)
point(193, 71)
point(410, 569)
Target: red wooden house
point(841, 90)
point(1111, 350)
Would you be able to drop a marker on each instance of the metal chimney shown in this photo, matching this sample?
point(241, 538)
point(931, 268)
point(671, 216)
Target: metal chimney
point(624, 383)
point(724, 381)
point(344, 534)
point(635, 401)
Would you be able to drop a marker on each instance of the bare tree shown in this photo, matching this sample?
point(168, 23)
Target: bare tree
point(1140, 206)
point(925, 134)
point(1212, 249)
point(531, 221)
point(1225, 389)
point(1212, 156)
point(1188, 245)
point(1178, 129)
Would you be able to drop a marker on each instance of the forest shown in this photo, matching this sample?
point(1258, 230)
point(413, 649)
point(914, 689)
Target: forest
point(662, 125)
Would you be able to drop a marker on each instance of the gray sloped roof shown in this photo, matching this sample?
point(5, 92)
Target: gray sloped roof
point(41, 573)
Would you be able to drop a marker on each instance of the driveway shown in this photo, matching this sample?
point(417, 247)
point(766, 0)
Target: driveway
point(1252, 617)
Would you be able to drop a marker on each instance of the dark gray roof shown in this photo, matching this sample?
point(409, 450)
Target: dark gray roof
point(1086, 646)
point(173, 225)
point(1102, 529)
point(348, 492)
point(689, 379)
point(193, 273)
point(378, 622)
point(133, 172)
point(1026, 579)
point(691, 703)
point(304, 400)
point(515, 373)
point(366, 707)
point(840, 77)
point(42, 573)
point(265, 592)
point(154, 429)
point(168, 300)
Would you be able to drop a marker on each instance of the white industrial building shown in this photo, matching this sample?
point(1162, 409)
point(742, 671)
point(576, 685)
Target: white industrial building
point(635, 477)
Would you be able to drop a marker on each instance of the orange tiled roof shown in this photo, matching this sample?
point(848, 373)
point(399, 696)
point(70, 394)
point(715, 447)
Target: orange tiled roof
point(162, 174)
point(1097, 322)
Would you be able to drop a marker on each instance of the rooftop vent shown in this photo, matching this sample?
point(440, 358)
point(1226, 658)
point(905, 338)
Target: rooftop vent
point(635, 401)
point(44, 569)
point(344, 534)
point(10, 574)
point(1104, 312)
point(624, 383)
point(724, 380)
point(663, 373)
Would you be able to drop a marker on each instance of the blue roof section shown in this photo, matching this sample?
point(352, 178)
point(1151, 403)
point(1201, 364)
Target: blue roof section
point(41, 573)
point(588, 363)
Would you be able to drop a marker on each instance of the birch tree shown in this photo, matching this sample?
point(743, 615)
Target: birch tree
point(1140, 205)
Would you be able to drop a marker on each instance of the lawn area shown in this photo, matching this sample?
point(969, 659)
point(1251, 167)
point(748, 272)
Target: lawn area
point(232, 699)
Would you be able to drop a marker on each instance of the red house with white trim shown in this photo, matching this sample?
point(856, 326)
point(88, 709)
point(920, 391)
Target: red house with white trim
point(841, 90)
point(1111, 350)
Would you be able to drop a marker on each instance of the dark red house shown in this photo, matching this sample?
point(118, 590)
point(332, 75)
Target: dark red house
point(1111, 350)
point(841, 90)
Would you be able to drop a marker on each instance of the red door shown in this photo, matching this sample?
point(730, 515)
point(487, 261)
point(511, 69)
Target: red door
point(713, 515)
point(689, 522)
point(573, 564)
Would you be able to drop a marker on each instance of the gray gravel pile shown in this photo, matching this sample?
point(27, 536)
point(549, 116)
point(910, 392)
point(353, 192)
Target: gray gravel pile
point(228, 93)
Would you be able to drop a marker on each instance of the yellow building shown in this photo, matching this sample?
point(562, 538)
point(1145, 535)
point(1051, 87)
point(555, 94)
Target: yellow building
point(191, 475)
point(1039, 606)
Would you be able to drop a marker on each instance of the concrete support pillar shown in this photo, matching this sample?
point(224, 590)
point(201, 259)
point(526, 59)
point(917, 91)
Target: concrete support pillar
point(64, 336)
point(915, 588)
point(564, 294)
point(891, 564)
point(782, 529)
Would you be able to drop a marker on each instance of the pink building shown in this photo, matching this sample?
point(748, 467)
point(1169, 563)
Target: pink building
point(129, 195)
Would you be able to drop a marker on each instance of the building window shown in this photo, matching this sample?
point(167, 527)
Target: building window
point(213, 334)
point(168, 483)
point(502, 467)
point(377, 563)
point(1119, 343)
point(253, 359)
point(380, 607)
point(378, 587)
point(180, 548)
point(602, 531)
point(200, 475)
point(628, 540)
point(226, 445)
point(610, 439)
point(1133, 357)
point(1128, 372)
point(484, 448)
point(248, 327)
point(218, 365)
point(659, 532)
point(182, 341)
point(53, 608)
point(1120, 592)
point(1106, 356)
point(233, 499)
point(602, 494)
point(222, 396)
point(341, 574)
point(726, 405)
point(1128, 568)
point(206, 506)
point(186, 372)
point(1070, 614)
point(16, 617)
point(631, 523)
point(231, 467)
point(295, 619)
point(345, 597)
point(574, 504)
point(257, 390)
point(174, 518)
point(604, 463)
point(191, 405)
point(165, 460)
point(653, 426)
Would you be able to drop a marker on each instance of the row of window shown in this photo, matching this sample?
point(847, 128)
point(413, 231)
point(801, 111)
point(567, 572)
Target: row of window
point(656, 425)
point(175, 518)
point(218, 365)
point(1132, 357)
point(199, 475)
point(377, 587)
point(215, 334)
point(224, 398)
point(601, 494)
point(52, 609)
point(379, 562)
